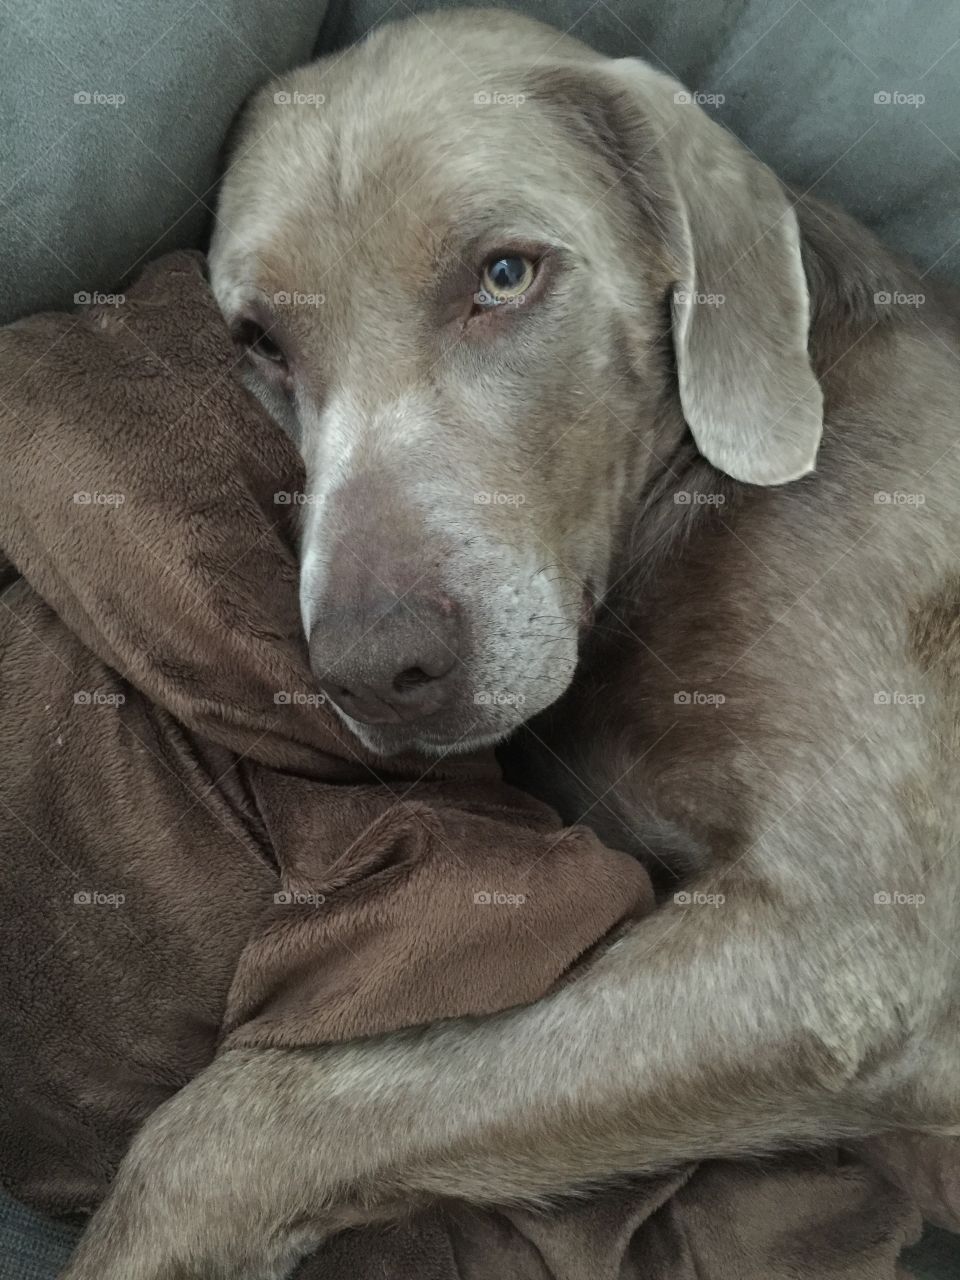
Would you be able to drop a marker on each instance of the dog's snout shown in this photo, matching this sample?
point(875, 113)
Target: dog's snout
point(391, 661)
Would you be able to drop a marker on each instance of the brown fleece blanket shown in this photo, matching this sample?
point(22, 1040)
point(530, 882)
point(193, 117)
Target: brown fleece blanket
point(195, 853)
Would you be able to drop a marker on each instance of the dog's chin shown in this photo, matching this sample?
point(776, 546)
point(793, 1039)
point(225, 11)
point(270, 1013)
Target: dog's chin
point(386, 745)
point(443, 739)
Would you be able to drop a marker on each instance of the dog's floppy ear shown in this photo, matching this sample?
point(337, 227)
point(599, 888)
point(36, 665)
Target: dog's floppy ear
point(740, 304)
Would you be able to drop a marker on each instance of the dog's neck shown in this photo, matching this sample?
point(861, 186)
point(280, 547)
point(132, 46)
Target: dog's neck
point(847, 271)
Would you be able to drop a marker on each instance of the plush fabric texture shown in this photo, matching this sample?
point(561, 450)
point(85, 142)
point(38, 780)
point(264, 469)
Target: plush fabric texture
point(926, 1167)
point(432, 1247)
point(195, 853)
point(808, 1216)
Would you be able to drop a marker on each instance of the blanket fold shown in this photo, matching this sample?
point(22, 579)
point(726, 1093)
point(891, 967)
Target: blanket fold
point(195, 852)
point(193, 846)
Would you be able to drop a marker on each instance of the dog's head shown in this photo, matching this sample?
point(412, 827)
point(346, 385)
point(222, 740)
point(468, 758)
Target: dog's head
point(471, 263)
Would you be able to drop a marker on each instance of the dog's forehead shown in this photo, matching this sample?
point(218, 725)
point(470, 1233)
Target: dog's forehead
point(379, 163)
point(439, 107)
point(342, 193)
point(443, 155)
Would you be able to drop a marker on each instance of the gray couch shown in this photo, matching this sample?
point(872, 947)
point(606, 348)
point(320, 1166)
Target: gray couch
point(114, 111)
point(90, 189)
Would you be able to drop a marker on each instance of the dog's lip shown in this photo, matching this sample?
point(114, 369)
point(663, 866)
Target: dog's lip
point(389, 745)
point(386, 713)
point(402, 738)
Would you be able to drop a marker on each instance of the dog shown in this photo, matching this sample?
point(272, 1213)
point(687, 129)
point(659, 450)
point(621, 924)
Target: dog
point(610, 435)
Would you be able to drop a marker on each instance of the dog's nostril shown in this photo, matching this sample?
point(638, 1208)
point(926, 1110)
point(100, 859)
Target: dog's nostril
point(412, 678)
point(401, 668)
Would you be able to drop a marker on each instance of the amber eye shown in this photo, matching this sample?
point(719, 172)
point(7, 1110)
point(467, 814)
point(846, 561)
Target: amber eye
point(506, 278)
point(257, 342)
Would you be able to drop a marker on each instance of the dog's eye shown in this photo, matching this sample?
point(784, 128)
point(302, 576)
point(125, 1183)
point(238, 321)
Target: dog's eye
point(506, 278)
point(257, 342)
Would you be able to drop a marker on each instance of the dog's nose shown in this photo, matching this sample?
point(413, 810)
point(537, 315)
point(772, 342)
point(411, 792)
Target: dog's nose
point(388, 661)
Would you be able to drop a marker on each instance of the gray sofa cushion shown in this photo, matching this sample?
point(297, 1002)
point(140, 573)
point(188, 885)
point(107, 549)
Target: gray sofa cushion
point(113, 116)
point(32, 1247)
point(87, 189)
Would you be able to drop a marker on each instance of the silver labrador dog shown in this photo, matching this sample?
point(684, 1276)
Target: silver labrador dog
point(559, 354)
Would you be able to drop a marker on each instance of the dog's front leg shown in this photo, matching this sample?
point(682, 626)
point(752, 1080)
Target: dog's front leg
point(714, 1029)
